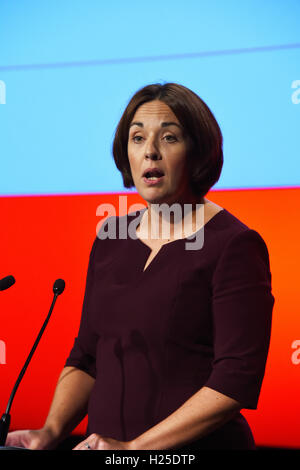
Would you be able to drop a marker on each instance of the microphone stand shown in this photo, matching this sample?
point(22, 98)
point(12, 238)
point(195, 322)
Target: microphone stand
point(5, 419)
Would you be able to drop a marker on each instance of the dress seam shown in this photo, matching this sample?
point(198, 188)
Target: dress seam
point(165, 350)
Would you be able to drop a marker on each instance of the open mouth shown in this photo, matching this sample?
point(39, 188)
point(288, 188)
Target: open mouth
point(153, 174)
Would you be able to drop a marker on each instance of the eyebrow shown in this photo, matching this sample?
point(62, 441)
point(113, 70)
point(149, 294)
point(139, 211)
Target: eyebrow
point(163, 124)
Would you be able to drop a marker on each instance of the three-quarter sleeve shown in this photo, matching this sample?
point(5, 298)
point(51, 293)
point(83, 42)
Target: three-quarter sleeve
point(83, 353)
point(242, 305)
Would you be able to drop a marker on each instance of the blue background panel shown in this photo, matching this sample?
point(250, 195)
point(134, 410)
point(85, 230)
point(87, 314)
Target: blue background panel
point(71, 67)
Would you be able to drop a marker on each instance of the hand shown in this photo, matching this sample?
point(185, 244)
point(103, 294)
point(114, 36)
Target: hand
point(97, 442)
point(39, 439)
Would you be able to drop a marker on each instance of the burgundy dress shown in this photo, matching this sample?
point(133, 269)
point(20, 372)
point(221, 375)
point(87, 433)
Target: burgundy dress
point(193, 318)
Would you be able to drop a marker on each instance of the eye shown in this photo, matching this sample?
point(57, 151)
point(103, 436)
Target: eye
point(170, 138)
point(137, 138)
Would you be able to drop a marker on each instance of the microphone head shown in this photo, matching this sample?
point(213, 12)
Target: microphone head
point(59, 286)
point(7, 282)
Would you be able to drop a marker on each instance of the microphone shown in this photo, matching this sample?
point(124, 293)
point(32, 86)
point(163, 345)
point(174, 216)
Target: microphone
point(58, 288)
point(7, 282)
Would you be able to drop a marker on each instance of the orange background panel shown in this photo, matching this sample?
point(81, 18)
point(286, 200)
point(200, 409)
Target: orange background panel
point(44, 238)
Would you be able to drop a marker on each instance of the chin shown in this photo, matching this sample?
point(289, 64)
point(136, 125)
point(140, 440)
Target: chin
point(158, 200)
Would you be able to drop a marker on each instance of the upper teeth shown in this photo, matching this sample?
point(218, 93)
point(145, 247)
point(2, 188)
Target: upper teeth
point(153, 174)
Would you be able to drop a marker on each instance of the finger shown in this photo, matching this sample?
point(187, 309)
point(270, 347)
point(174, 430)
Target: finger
point(83, 445)
point(14, 439)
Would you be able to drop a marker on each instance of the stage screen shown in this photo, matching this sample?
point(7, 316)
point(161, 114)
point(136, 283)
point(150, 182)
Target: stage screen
point(67, 71)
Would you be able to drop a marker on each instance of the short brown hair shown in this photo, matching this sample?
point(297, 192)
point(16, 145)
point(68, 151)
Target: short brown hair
point(203, 134)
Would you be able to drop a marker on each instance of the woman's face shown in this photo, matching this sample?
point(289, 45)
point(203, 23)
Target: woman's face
point(156, 140)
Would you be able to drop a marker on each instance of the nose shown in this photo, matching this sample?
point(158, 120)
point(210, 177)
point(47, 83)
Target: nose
point(151, 151)
point(152, 156)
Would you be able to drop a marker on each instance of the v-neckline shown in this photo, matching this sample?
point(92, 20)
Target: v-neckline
point(168, 243)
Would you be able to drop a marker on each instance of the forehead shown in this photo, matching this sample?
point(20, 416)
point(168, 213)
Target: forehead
point(154, 110)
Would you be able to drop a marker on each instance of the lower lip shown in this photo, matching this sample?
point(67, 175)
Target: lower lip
point(152, 182)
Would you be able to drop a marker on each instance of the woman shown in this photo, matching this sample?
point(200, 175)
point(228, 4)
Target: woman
point(173, 340)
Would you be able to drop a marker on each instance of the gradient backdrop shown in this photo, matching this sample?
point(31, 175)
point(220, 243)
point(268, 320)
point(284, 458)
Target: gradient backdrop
point(67, 70)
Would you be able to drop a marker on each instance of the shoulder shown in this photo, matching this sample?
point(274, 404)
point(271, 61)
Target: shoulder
point(233, 245)
point(243, 258)
point(116, 228)
point(228, 230)
point(235, 232)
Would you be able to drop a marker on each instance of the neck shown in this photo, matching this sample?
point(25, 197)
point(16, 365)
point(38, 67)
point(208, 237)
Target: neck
point(170, 221)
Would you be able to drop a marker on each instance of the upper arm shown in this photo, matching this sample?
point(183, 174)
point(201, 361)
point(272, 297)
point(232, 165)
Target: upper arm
point(83, 353)
point(242, 307)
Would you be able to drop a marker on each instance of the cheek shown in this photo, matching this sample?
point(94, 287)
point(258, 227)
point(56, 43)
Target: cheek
point(133, 156)
point(178, 169)
point(133, 163)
